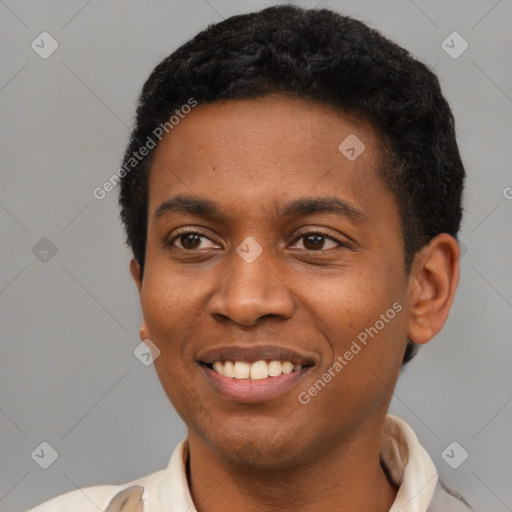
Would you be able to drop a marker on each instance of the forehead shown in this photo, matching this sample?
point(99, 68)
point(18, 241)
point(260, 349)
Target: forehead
point(260, 151)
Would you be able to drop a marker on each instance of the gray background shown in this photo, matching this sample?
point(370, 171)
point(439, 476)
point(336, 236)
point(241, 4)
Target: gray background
point(70, 324)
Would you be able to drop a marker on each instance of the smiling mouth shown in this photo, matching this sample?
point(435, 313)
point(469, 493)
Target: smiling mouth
point(255, 374)
point(262, 369)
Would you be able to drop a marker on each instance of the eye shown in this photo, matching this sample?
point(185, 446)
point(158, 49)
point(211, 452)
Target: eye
point(189, 240)
point(314, 241)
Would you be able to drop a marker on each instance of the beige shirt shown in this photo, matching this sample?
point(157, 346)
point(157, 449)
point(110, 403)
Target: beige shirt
point(407, 463)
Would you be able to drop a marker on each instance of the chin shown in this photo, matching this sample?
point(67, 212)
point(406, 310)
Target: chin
point(259, 449)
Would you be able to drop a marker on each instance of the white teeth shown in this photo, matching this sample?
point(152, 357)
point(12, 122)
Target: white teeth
point(286, 367)
point(255, 371)
point(274, 368)
point(229, 369)
point(259, 370)
point(242, 370)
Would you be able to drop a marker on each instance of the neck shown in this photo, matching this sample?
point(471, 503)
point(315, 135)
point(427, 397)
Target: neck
point(345, 476)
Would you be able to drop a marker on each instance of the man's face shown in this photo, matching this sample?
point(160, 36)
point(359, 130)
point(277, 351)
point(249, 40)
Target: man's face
point(253, 284)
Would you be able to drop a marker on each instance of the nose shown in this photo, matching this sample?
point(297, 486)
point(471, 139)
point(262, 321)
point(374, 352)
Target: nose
point(250, 291)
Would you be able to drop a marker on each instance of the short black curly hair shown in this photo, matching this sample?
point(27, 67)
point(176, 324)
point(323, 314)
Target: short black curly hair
point(318, 55)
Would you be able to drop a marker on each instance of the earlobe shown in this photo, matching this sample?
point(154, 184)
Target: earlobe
point(143, 332)
point(433, 281)
point(135, 272)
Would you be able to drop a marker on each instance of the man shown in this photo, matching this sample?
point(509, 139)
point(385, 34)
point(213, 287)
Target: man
point(292, 195)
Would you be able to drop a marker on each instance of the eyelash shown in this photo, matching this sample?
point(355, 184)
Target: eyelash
point(170, 243)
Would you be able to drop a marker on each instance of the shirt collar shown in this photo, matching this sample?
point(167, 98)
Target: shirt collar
point(407, 463)
point(409, 466)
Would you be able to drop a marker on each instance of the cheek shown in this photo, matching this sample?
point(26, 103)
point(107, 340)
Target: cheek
point(172, 307)
point(363, 320)
point(351, 302)
point(165, 299)
point(157, 309)
point(168, 317)
point(366, 357)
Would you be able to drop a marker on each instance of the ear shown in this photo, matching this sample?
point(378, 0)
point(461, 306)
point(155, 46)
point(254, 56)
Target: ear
point(432, 284)
point(135, 272)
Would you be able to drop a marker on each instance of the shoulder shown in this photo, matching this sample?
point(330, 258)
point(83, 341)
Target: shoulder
point(98, 498)
point(448, 500)
point(160, 490)
point(88, 499)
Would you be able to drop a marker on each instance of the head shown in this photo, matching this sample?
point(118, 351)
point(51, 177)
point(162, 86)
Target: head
point(261, 115)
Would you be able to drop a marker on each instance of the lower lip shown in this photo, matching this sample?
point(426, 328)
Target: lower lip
point(257, 390)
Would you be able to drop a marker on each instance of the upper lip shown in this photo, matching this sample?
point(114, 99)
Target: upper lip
point(256, 353)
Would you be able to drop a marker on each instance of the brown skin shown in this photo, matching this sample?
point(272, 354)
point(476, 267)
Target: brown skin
point(248, 156)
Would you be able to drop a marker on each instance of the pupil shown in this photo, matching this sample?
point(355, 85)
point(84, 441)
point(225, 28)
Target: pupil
point(318, 241)
point(187, 239)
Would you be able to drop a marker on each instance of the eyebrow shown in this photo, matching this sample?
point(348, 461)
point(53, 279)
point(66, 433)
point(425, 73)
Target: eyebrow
point(295, 208)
